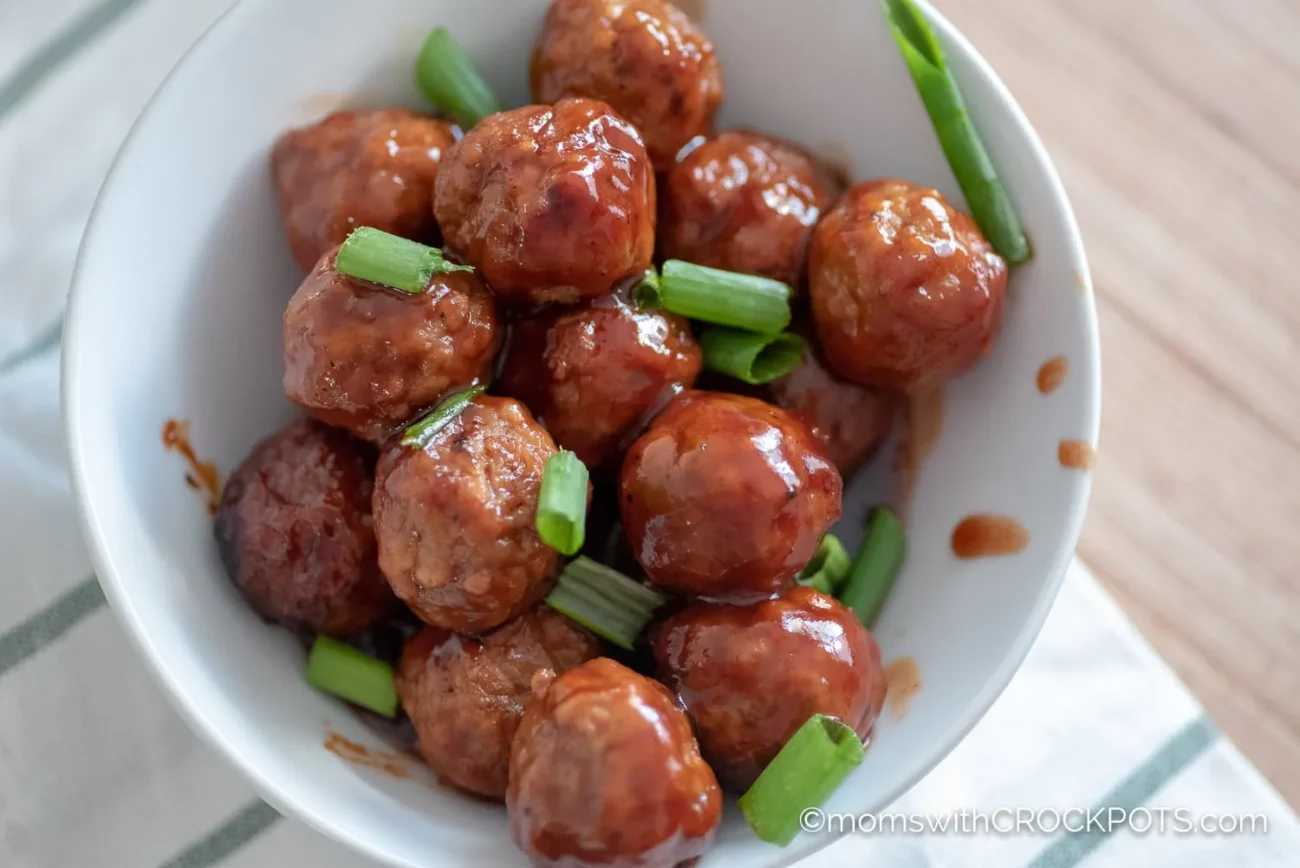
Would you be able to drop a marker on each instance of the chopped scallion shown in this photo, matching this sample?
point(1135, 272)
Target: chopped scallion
point(381, 257)
point(816, 760)
point(876, 566)
point(422, 430)
point(604, 601)
point(562, 503)
point(989, 203)
point(828, 568)
point(448, 79)
point(345, 672)
point(728, 298)
point(750, 357)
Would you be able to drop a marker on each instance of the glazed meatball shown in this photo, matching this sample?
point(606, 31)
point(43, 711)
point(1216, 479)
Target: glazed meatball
point(749, 676)
point(550, 203)
point(364, 357)
point(294, 531)
point(373, 168)
point(604, 771)
point(905, 290)
point(850, 420)
point(744, 202)
point(643, 57)
point(726, 497)
point(596, 373)
point(456, 519)
point(465, 696)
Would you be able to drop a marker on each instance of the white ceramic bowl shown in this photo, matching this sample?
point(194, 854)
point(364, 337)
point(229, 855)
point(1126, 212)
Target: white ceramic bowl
point(175, 312)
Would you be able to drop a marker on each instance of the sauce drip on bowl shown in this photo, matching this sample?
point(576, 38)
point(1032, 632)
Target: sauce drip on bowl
point(902, 683)
point(1052, 374)
point(202, 476)
point(986, 535)
point(1076, 454)
point(923, 426)
point(388, 762)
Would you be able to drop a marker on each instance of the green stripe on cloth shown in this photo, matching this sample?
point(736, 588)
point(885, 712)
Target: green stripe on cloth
point(59, 49)
point(250, 822)
point(1133, 792)
point(47, 339)
point(47, 625)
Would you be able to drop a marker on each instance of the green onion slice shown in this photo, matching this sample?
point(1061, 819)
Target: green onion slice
point(728, 298)
point(816, 760)
point(646, 291)
point(448, 79)
point(562, 504)
point(750, 357)
point(828, 568)
point(879, 558)
point(989, 203)
point(343, 671)
point(381, 257)
point(604, 601)
point(422, 430)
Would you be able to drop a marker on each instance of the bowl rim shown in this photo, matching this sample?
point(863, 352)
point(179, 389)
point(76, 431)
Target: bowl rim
point(269, 787)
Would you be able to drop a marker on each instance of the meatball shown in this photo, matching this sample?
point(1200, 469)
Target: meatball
point(465, 696)
point(372, 168)
point(294, 531)
point(456, 519)
point(604, 772)
point(726, 497)
point(851, 421)
point(364, 357)
point(744, 202)
point(596, 373)
point(749, 676)
point(643, 57)
point(550, 203)
point(905, 290)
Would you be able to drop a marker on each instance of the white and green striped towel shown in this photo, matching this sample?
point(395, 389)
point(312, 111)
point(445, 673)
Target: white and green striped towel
point(97, 770)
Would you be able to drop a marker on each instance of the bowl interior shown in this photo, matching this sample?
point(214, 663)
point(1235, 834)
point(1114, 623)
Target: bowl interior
point(176, 311)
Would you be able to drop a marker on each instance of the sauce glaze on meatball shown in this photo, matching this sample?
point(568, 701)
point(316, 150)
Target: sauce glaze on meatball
point(371, 168)
point(550, 203)
point(367, 358)
point(851, 421)
point(595, 374)
point(905, 290)
point(605, 771)
point(465, 696)
point(749, 676)
point(294, 531)
point(644, 57)
point(726, 497)
point(456, 520)
point(744, 202)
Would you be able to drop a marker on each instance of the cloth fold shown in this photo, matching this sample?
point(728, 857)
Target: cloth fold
point(97, 770)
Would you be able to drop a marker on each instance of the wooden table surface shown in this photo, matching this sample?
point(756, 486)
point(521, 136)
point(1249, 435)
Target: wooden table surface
point(1176, 127)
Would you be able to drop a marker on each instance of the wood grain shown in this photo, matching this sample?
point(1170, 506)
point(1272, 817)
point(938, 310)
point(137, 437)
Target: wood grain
point(1175, 126)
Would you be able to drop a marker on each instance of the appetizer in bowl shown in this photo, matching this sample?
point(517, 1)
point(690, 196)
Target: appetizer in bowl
point(576, 429)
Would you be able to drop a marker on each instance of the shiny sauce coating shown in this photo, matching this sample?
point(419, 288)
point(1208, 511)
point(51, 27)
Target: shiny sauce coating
point(645, 58)
point(456, 519)
point(597, 373)
point(749, 676)
point(604, 770)
point(726, 497)
point(551, 203)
